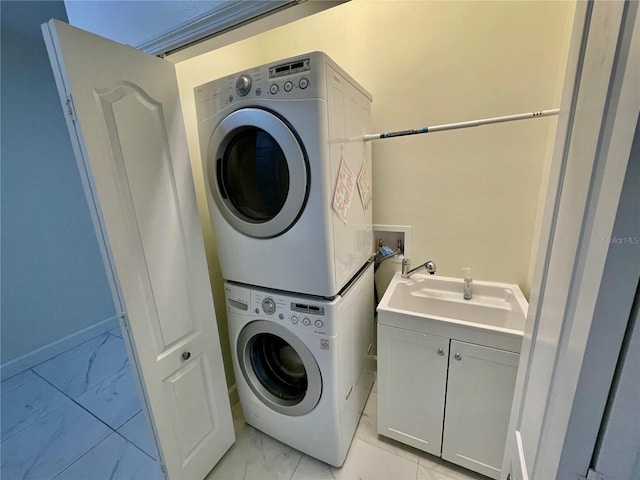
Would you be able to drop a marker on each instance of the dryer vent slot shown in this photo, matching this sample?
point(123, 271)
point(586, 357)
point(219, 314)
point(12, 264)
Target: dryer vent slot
point(223, 192)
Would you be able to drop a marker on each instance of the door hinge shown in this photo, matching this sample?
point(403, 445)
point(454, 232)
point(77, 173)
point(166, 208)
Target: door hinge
point(124, 319)
point(71, 110)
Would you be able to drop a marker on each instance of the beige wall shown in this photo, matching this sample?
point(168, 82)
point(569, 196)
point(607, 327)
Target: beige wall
point(471, 196)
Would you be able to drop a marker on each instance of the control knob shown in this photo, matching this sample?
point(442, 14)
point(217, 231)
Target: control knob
point(243, 85)
point(269, 306)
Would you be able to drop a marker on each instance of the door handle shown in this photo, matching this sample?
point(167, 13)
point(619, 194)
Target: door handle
point(186, 355)
point(457, 356)
point(441, 351)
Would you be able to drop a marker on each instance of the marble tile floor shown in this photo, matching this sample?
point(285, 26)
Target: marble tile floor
point(77, 417)
point(256, 456)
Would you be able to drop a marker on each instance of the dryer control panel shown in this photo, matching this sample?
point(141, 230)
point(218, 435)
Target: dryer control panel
point(296, 78)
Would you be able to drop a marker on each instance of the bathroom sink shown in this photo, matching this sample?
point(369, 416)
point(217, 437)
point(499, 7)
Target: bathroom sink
point(435, 305)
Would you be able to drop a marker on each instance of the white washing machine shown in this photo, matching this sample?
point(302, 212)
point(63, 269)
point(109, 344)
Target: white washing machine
point(301, 363)
point(281, 144)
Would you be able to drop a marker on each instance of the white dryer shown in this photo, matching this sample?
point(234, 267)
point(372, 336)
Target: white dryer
point(301, 363)
point(281, 144)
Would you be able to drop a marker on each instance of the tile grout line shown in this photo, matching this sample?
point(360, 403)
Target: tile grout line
point(79, 405)
point(134, 444)
point(297, 465)
point(81, 456)
point(49, 413)
point(113, 430)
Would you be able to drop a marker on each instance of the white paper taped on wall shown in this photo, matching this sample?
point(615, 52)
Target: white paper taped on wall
point(364, 187)
point(343, 194)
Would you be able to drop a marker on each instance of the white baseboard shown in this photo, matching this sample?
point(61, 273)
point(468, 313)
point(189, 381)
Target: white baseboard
point(32, 359)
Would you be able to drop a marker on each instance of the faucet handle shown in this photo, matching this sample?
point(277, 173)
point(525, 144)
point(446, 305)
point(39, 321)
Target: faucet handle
point(406, 265)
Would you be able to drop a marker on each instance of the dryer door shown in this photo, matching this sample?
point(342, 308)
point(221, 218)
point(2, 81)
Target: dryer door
point(258, 172)
point(279, 368)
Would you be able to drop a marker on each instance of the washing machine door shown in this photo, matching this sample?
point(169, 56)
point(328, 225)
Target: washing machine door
point(279, 368)
point(258, 172)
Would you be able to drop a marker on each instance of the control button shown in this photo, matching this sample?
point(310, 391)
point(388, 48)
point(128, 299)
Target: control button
point(257, 310)
point(303, 83)
point(243, 85)
point(319, 324)
point(269, 306)
point(306, 322)
point(294, 320)
point(281, 316)
point(273, 89)
point(288, 86)
point(258, 91)
point(230, 99)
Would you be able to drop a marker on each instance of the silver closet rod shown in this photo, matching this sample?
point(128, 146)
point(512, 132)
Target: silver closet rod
point(453, 126)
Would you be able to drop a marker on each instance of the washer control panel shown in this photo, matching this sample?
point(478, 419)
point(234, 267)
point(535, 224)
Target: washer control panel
point(304, 314)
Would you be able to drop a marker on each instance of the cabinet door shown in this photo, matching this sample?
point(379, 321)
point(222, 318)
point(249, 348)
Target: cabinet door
point(479, 395)
point(412, 374)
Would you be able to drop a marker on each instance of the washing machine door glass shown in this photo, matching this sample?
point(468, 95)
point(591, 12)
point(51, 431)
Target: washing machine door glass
point(279, 368)
point(258, 172)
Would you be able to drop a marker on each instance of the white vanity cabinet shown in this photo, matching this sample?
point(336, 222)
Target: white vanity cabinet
point(427, 383)
point(480, 387)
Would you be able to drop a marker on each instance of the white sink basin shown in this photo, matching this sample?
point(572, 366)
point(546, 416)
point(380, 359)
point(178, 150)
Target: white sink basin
point(497, 310)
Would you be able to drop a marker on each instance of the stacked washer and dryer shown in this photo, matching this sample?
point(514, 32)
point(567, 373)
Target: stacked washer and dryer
point(288, 181)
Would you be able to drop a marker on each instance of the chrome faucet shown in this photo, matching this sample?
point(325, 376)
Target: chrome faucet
point(406, 266)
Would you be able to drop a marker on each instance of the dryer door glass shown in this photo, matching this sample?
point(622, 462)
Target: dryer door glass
point(279, 368)
point(255, 174)
point(258, 173)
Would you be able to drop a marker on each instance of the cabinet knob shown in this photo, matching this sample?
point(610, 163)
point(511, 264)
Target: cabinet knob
point(186, 355)
point(457, 356)
point(441, 351)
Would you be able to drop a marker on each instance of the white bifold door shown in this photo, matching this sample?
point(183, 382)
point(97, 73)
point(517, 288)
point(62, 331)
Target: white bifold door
point(124, 117)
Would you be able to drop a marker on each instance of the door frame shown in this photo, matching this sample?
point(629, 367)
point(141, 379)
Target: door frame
point(547, 437)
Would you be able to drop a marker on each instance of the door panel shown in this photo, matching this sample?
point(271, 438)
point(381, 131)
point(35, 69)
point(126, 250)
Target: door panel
point(190, 388)
point(412, 376)
point(130, 115)
point(479, 395)
point(128, 135)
